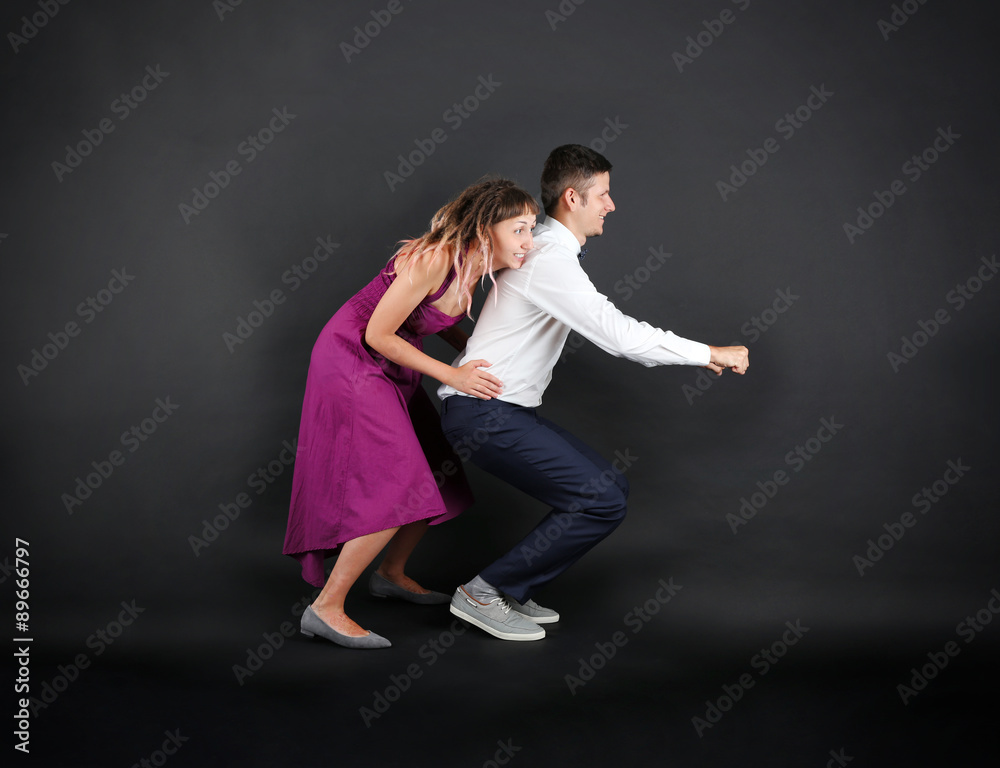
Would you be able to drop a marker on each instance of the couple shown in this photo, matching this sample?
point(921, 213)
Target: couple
point(369, 434)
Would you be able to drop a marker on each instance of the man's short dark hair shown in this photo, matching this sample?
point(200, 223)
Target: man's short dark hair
point(571, 165)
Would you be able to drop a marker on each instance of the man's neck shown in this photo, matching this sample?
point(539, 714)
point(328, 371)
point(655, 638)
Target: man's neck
point(562, 217)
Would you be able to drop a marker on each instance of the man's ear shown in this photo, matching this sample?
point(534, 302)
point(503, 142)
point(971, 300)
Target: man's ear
point(570, 199)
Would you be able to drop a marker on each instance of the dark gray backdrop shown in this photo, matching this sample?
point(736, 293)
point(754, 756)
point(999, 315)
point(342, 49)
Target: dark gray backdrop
point(855, 256)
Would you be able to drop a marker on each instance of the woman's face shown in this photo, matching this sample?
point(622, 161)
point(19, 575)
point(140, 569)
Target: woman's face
point(511, 240)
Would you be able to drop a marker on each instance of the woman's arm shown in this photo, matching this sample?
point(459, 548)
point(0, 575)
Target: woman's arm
point(406, 292)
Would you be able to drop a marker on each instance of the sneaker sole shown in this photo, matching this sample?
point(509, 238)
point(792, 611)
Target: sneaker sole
point(539, 619)
point(515, 636)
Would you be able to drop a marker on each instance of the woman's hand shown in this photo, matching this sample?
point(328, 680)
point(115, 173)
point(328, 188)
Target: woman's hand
point(473, 380)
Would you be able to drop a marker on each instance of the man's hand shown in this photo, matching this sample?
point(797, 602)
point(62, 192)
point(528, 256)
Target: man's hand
point(735, 358)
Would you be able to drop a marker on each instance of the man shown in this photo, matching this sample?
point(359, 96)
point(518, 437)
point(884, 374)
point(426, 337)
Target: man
point(521, 332)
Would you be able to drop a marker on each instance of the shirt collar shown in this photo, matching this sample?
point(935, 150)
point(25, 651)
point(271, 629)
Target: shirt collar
point(562, 234)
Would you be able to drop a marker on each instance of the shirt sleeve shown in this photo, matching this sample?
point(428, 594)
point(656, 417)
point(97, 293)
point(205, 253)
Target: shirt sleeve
point(560, 287)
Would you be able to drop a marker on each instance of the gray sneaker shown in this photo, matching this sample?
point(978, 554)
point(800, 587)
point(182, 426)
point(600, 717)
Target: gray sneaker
point(532, 610)
point(495, 617)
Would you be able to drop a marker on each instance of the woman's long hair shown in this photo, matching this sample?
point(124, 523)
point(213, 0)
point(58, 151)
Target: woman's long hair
point(463, 225)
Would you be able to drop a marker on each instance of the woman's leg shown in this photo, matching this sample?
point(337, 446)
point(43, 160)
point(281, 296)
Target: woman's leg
point(355, 555)
point(397, 554)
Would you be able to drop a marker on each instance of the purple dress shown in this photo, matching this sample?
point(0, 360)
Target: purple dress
point(371, 454)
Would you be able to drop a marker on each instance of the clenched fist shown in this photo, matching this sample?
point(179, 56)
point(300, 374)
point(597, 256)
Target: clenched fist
point(735, 358)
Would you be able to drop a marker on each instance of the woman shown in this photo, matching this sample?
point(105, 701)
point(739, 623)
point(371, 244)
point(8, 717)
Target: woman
point(370, 443)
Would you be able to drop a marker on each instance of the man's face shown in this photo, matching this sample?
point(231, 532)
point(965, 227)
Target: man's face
point(596, 204)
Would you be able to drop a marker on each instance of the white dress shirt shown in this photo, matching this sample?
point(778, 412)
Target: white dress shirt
point(529, 313)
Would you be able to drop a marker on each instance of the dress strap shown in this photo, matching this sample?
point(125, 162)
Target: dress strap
point(448, 280)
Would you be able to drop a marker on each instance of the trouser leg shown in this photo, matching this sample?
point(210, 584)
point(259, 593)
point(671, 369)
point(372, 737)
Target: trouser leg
point(586, 492)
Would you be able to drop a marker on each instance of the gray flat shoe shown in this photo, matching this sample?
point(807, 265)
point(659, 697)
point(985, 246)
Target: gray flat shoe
point(380, 586)
point(313, 625)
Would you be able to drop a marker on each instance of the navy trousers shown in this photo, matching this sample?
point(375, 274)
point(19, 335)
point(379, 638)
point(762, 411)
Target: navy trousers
point(587, 493)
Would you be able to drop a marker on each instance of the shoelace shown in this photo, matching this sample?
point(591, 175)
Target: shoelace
point(502, 604)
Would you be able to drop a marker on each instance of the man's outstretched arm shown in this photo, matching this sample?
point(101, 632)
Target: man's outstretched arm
point(562, 289)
